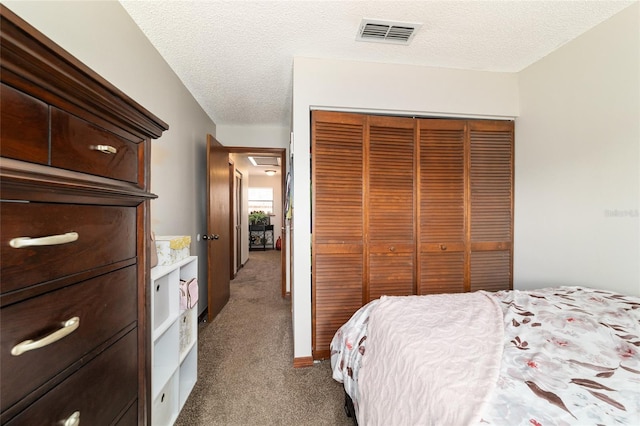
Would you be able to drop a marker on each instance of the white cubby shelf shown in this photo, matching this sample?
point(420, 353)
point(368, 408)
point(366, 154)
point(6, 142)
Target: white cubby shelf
point(174, 341)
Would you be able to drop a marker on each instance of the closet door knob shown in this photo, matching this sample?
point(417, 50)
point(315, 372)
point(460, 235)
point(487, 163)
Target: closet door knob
point(443, 247)
point(211, 237)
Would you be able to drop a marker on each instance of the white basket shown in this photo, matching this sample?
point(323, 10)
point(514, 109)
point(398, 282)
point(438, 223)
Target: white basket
point(172, 248)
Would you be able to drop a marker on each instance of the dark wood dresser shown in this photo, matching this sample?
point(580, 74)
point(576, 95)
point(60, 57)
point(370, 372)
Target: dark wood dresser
point(74, 215)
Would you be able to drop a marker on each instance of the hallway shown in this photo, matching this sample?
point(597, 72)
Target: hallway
point(245, 373)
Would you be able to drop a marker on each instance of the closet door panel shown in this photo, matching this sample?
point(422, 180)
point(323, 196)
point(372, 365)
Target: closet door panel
point(491, 270)
point(391, 180)
point(491, 204)
point(337, 295)
point(390, 206)
point(338, 229)
point(442, 272)
point(442, 206)
point(337, 155)
point(391, 274)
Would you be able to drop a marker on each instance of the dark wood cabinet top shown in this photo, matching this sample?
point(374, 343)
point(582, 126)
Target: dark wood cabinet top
point(36, 65)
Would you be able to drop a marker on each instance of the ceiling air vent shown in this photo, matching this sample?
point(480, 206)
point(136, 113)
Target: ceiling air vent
point(387, 31)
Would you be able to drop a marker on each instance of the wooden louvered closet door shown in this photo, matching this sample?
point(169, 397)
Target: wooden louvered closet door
point(390, 210)
point(406, 206)
point(491, 205)
point(442, 206)
point(337, 154)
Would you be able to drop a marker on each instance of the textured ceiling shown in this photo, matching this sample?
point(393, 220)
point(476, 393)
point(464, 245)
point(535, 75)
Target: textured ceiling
point(236, 57)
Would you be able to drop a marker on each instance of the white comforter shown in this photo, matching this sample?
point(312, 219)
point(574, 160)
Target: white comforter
point(570, 356)
point(445, 359)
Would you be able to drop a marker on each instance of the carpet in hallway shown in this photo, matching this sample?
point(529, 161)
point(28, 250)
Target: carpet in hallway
point(245, 356)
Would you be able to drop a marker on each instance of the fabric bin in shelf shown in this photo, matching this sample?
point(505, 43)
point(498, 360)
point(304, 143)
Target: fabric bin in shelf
point(188, 303)
point(172, 248)
point(188, 293)
point(186, 329)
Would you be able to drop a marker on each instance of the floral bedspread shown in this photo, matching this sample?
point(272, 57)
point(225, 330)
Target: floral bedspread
point(347, 347)
point(571, 357)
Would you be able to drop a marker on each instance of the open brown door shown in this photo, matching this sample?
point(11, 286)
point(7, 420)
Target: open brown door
point(217, 226)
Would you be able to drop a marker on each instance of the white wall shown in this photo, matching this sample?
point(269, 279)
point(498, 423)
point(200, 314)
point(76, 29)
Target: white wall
point(258, 136)
point(377, 87)
point(578, 162)
point(105, 38)
point(261, 136)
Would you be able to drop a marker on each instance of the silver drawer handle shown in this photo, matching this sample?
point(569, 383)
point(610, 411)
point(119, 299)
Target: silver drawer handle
point(68, 327)
point(52, 240)
point(107, 149)
point(72, 420)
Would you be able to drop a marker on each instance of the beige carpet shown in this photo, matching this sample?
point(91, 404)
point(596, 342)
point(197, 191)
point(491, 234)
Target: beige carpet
point(245, 356)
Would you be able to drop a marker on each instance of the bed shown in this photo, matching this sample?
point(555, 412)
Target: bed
point(555, 356)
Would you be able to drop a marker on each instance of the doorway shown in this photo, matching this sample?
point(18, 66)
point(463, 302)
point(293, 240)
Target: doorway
point(244, 175)
point(222, 238)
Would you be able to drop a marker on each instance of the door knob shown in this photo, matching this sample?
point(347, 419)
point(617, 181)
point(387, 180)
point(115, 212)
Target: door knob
point(211, 237)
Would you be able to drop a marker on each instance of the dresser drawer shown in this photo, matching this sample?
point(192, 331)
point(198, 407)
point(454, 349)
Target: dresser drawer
point(104, 305)
point(98, 392)
point(79, 145)
point(106, 234)
point(24, 132)
point(130, 418)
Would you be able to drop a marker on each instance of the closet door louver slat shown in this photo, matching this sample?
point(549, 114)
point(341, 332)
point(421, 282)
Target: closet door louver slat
point(338, 230)
point(338, 294)
point(442, 206)
point(442, 272)
point(490, 270)
point(390, 207)
point(491, 205)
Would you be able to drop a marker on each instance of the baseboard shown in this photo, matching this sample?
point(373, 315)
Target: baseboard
point(202, 317)
point(305, 361)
